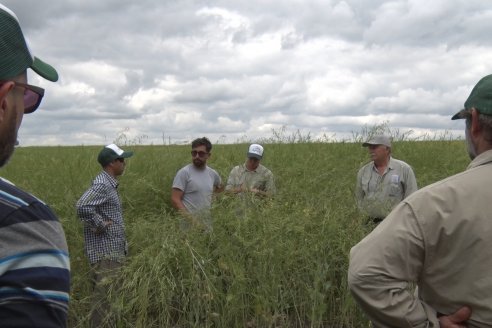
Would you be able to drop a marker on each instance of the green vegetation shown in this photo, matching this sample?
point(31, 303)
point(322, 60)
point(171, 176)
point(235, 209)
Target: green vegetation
point(283, 264)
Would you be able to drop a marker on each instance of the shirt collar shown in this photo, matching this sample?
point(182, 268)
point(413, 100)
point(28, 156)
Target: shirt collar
point(483, 158)
point(246, 168)
point(390, 165)
point(111, 179)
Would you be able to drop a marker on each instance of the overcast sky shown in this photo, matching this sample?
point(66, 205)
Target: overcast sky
point(170, 70)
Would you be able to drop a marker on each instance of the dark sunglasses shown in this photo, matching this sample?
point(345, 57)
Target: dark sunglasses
point(32, 96)
point(199, 153)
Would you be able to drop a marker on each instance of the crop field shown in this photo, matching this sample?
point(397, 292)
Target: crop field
point(281, 263)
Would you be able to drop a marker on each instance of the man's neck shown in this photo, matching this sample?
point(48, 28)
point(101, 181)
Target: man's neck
point(250, 168)
point(382, 164)
point(109, 171)
point(201, 167)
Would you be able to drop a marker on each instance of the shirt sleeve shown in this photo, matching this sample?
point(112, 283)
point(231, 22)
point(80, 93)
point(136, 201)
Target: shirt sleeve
point(359, 193)
point(410, 182)
point(270, 184)
point(232, 180)
point(180, 180)
point(87, 205)
point(383, 268)
point(217, 180)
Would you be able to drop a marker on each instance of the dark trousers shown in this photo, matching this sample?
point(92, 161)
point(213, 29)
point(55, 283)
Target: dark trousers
point(104, 282)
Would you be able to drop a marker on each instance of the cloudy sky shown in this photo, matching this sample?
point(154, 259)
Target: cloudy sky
point(159, 71)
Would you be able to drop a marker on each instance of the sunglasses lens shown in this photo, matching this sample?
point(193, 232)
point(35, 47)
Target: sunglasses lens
point(199, 153)
point(31, 101)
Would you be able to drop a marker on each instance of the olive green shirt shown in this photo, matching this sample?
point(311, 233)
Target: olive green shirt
point(261, 179)
point(377, 194)
point(439, 238)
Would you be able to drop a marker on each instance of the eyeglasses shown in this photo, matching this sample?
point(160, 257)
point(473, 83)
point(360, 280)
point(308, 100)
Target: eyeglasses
point(122, 160)
point(32, 96)
point(199, 153)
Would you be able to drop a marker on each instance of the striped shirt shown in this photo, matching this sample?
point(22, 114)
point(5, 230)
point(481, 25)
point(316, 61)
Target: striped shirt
point(34, 262)
point(100, 204)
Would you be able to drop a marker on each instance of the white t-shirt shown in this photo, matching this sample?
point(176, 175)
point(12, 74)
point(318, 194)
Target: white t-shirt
point(198, 186)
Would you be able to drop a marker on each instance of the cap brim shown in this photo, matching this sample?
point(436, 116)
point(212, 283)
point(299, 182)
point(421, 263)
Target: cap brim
point(45, 70)
point(251, 155)
point(126, 154)
point(367, 144)
point(461, 114)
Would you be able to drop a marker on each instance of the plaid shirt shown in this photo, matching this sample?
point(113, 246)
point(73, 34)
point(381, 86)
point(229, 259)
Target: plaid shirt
point(99, 204)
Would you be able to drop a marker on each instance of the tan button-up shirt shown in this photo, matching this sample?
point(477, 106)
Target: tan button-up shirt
point(261, 179)
point(439, 238)
point(377, 194)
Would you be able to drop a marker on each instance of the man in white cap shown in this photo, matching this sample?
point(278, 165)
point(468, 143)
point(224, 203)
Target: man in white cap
point(100, 210)
point(34, 262)
point(383, 182)
point(251, 176)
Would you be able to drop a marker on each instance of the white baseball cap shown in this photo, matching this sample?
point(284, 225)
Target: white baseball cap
point(255, 151)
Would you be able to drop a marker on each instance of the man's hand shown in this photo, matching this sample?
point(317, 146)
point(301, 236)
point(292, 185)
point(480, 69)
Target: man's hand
point(457, 319)
point(105, 225)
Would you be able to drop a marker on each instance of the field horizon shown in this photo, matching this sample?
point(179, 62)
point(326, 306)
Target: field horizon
point(281, 263)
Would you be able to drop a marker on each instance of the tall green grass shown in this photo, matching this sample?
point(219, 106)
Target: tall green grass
point(281, 263)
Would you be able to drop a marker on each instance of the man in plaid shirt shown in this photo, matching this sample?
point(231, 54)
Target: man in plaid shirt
point(100, 210)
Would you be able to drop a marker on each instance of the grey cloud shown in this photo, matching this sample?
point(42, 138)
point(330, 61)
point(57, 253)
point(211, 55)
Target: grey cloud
point(245, 67)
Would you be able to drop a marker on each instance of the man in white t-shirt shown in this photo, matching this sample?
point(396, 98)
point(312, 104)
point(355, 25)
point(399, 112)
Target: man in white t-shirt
point(194, 185)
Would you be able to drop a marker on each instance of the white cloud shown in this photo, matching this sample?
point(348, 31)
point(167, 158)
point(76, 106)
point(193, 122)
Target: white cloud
point(182, 69)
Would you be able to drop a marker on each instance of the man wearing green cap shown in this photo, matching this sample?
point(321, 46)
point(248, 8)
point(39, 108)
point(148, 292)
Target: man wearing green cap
point(439, 238)
point(34, 262)
point(100, 210)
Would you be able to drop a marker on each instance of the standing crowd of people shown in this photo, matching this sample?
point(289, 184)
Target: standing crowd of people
point(193, 188)
point(426, 263)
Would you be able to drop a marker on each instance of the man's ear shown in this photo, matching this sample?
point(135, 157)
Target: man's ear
point(4, 101)
point(475, 127)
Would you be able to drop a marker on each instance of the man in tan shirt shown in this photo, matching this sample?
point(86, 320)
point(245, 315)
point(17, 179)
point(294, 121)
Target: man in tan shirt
point(440, 239)
point(383, 182)
point(251, 176)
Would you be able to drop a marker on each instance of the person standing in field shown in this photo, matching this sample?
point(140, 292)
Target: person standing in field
point(383, 182)
point(34, 260)
point(193, 187)
point(439, 238)
point(251, 176)
point(100, 210)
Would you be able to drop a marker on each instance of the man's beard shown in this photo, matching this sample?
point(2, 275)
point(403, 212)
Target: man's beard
point(470, 147)
point(198, 163)
point(8, 139)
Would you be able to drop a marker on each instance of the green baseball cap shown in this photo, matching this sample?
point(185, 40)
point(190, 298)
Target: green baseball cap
point(111, 152)
point(480, 98)
point(15, 56)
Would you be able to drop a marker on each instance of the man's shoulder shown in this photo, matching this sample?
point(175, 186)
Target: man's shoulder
point(366, 166)
point(101, 182)
point(17, 205)
point(13, 195)
point(211, 170)
point(238, 168)
point(265, 170)
point(459, 182)
point(399, 162)
point(184, 170)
